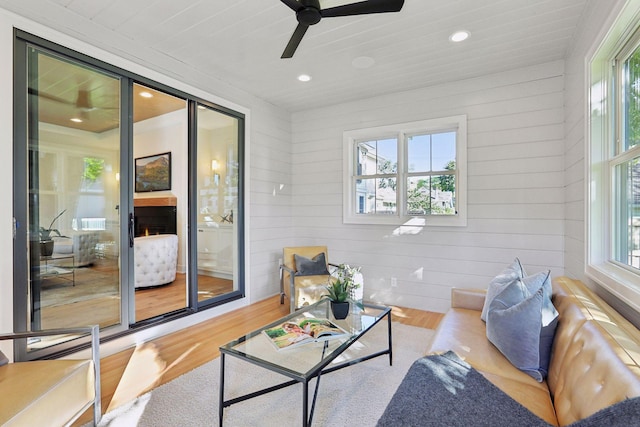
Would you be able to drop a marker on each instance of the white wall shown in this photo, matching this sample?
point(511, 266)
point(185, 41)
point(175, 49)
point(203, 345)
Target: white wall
point(515, 182)
point(268, 153)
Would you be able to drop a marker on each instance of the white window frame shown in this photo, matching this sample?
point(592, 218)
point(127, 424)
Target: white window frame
point(401, 131)
point(602, 138)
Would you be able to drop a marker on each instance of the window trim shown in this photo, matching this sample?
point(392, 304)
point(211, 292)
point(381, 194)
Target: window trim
point(400, 131)
point(603, 154)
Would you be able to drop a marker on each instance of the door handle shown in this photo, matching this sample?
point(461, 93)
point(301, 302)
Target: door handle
point(131, 226)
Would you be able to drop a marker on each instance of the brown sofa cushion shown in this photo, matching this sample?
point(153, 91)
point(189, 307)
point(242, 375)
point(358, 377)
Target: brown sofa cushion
point(596, 355)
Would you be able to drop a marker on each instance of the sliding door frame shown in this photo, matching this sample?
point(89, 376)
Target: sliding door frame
point(22, 42)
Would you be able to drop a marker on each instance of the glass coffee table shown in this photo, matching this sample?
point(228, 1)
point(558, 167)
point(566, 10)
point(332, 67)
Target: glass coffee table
point(307, 361)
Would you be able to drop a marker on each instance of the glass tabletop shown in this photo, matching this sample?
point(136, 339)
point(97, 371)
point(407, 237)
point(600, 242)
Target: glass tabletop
point(305, 360)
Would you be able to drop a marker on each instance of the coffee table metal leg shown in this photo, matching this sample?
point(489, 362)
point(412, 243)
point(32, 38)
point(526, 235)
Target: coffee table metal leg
point(305, 404)
point(315, 393)
point(390, 344)
point(221, 402)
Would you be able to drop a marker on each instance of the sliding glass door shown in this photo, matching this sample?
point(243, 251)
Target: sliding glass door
point(129, 211)
point(160, 143)
point(74, 194)
point(217, 192)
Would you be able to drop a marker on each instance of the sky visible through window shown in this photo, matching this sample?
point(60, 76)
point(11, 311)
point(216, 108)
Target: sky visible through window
point(431, 151)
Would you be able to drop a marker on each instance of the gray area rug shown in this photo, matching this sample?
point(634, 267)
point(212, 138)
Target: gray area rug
point(353, 396)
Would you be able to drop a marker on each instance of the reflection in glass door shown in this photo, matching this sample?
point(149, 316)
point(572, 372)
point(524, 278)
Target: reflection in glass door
point(73, 209)
point(160, 203)
point(217, 204)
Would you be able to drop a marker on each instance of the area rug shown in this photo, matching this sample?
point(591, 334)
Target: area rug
point(353, 396)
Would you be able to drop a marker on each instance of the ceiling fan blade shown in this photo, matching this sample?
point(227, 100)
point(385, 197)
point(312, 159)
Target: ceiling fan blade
point(294, 41)
point(83, 101)
point(44, 95)
point(363, 8)
point(293, 4)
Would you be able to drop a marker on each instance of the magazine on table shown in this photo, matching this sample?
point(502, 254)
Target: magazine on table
point(295, 332)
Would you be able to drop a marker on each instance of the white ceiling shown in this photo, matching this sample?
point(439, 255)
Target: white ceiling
point(240, 41)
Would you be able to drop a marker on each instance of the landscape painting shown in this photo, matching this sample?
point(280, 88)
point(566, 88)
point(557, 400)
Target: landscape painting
point(153, 173)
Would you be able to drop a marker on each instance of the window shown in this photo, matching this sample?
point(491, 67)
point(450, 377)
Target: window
point(410, 170)
point(613, 233)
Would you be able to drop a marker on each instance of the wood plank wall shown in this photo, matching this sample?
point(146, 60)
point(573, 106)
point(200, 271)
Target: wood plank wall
point(515, 186)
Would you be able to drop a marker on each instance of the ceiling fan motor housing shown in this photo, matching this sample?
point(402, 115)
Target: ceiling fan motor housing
point(308, 15)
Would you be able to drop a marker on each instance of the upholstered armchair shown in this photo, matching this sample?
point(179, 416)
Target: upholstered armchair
point(82, 244)
point(305, 269)
point(50, 392)
point(156, 259)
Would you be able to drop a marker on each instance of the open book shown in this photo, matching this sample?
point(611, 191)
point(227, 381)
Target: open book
point(296, 332)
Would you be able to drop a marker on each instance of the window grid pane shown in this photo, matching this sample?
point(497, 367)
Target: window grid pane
point(632, 101)
point(377, 157)
point(376, 196)
point(627, 215)
point(431, 195)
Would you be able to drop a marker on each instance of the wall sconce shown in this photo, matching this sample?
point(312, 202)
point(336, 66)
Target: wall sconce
point(214, 169)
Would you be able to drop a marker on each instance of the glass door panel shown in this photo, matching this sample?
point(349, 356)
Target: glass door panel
point(73, 172)
point(160, 148)
point(217, 203)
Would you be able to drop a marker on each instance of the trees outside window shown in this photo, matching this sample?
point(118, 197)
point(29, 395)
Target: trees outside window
point(398, 172)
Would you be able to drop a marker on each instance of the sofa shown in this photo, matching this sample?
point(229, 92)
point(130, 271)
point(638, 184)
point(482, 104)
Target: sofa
point(156, 260)
point(593, 371)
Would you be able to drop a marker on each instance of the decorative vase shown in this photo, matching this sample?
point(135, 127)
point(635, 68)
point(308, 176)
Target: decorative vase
point(340, 310)
point(46, 247)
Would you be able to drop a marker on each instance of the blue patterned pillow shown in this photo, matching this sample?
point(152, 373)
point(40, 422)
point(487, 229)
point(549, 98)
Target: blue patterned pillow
point(498, 283)
point(3, 359)
point(311, 267)
point(521, 323)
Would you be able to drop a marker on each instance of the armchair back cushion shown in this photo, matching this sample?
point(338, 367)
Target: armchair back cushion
point(307, 288)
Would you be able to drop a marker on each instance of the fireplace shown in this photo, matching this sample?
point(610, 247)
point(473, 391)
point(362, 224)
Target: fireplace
point(154, 216)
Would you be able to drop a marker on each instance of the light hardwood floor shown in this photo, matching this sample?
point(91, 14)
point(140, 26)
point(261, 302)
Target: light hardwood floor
point(133, 372)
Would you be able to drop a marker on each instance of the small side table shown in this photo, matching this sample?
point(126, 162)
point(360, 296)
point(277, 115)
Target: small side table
point(50, 270)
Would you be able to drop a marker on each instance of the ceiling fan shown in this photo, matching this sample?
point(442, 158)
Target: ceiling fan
point(309, 12)
point(82, 103)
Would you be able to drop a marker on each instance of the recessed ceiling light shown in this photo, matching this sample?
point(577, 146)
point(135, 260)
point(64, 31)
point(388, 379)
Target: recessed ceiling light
point(146, 95)
point(363, 62)
point(304, 77)
point(76, 120)
point(459, 36)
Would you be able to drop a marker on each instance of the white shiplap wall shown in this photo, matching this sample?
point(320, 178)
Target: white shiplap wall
point(270, 199)
point(515, 181)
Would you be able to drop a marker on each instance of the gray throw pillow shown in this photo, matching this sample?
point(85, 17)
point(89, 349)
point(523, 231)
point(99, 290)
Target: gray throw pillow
point(498, 283)
point(311, 267)
point(521, 323)
point(3, 359)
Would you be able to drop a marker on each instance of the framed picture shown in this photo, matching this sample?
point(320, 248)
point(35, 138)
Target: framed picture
point(153, 173)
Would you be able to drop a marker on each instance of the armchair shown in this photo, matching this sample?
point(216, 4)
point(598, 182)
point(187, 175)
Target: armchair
point(51, 392)
point(306, 271)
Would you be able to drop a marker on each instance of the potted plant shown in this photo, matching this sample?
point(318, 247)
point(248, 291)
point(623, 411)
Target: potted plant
point(46, 241)
point(341, 290)
point(338, 294)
